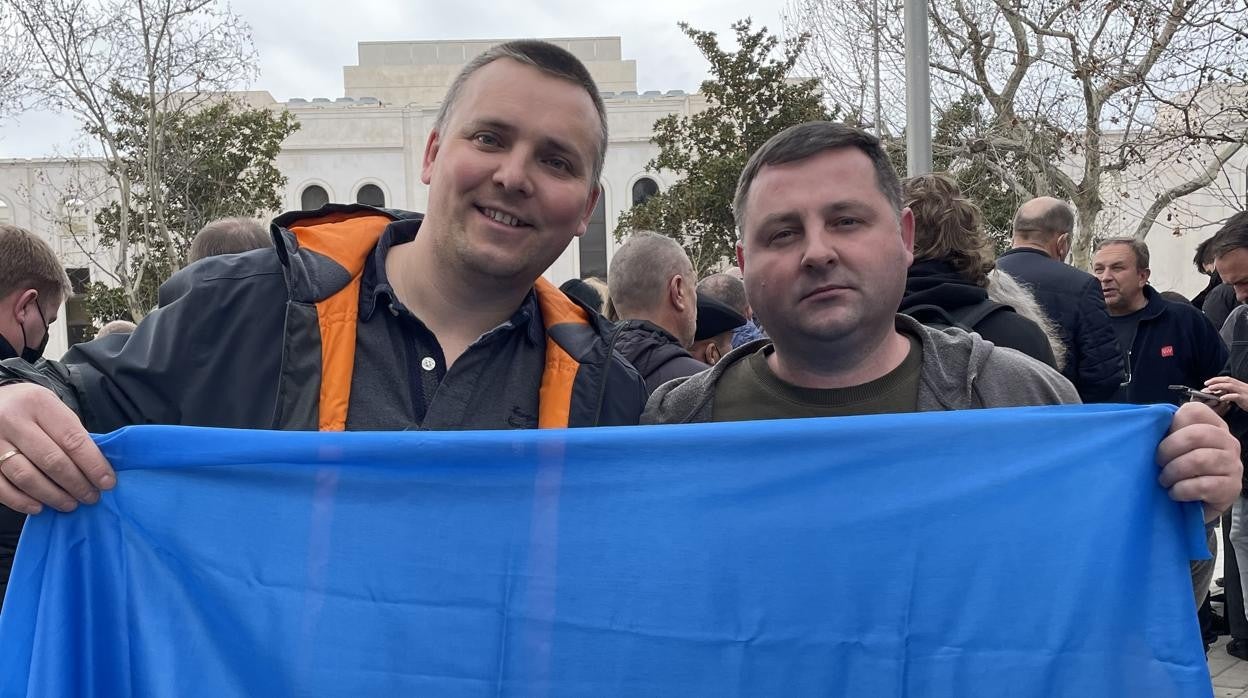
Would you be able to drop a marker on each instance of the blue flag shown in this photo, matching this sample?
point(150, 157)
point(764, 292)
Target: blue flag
point(1024, 552)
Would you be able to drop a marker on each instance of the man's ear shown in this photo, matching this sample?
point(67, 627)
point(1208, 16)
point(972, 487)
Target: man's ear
point(1063, 246)
point(740, 257)
point(588, 213)
point(25, 303)
point(676, 292)
point(432, 145)
point(907, 234)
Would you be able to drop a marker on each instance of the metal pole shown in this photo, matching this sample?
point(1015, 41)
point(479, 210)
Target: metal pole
point(875, 47)
point(918, 92)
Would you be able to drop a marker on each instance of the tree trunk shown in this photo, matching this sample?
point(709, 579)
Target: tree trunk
point(1088, 207)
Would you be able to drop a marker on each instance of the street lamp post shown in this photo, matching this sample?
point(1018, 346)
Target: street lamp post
point(918, 91)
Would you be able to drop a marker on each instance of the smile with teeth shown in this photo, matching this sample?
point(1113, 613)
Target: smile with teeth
point(503, 218)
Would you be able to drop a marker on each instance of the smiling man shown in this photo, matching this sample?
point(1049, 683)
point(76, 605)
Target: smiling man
point(824, 246)
point(365, 319)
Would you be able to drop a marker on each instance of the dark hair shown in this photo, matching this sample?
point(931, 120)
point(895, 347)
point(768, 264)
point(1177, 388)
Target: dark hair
point(726, 289)
point(549, 59)
point(228, 236)
point(809, 139)
point(26, 262)
point(1139, 248)
point(1204, 255)
point(1232, 236)
point(947, 227)
point(1057, 219)
point(583, 292)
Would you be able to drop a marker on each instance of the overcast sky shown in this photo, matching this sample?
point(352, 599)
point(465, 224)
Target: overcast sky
point(303, 46)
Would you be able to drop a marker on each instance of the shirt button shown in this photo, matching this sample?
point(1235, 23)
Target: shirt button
point(428, 363)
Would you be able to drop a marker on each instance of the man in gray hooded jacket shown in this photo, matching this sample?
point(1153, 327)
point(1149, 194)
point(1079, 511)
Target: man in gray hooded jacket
point(824, 246)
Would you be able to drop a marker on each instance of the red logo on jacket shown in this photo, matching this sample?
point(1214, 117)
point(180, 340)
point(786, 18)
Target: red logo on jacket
point(1167, 351)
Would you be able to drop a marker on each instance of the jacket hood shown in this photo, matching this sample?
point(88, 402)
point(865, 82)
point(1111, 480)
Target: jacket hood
point(952, 361)
point(935, 283)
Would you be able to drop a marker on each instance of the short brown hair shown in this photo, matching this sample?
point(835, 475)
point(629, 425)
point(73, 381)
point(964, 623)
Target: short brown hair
point(26, 261)
point(1139, 248)
point(807, 140)
point(228, 236)
point(549, 59)
point(948, 227)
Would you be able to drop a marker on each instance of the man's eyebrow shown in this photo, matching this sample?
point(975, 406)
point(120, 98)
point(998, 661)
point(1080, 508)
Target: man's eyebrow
point(847, 206)
point(547, 142)
point(779, 217)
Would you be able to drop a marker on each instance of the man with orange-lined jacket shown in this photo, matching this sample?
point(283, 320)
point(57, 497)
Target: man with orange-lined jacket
point(367, 319)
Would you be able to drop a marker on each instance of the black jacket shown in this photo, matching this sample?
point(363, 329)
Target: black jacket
point(1174, 344)
point(936, 283)
point(239, 339)
point(1235, 335)
point(1074, 302)
point(1219, 303)
point(11, 522)
point(655, 353)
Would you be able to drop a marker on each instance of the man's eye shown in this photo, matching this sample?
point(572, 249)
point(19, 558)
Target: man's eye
point(559, 164)
point(486, 139)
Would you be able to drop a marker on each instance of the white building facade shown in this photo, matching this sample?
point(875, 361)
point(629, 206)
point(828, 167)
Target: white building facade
point(367, 146)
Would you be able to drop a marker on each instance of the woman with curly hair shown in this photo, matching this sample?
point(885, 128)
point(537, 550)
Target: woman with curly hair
point(953, 276)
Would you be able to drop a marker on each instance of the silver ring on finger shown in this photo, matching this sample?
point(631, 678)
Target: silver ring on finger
point(9, 454)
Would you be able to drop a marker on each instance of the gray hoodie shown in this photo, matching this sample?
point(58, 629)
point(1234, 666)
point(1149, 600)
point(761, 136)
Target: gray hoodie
point(960, 371)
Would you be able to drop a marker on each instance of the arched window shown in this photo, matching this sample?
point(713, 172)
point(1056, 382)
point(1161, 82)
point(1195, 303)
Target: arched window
point(6, 212)
point(643, 189)
point(313, 197)
point(594, 243)
point(371, 195)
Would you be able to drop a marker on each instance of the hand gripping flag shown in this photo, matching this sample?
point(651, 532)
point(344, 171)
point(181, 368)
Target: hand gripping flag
point(1024, 552)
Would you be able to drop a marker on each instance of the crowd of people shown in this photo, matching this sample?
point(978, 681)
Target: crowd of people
point(852, 293)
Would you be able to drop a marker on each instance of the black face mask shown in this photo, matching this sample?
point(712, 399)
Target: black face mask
point(32, 354)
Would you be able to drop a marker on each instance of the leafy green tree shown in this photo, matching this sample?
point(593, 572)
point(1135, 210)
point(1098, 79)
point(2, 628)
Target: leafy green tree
point(750, 97)
point(215, 161)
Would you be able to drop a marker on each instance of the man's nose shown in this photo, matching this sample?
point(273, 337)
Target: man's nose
point(513, 174)
point(819, 250)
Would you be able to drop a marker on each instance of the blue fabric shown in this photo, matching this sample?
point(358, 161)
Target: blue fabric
point(1025, 552)
point(747, 333)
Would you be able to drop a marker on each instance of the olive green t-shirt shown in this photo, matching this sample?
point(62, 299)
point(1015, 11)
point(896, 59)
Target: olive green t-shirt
point(749, 390)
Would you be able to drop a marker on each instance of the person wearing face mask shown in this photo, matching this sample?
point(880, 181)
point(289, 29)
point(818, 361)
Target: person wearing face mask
point(32, 286)
point(1043, 228)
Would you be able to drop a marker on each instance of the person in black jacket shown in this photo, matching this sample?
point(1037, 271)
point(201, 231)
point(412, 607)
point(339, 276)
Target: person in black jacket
point(361, 318)
point(1163, 343)
point(653, 287)
point(952, 260)
point(1071, 298)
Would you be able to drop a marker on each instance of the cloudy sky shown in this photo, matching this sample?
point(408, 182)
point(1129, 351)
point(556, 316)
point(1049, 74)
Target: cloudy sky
point(303, 46)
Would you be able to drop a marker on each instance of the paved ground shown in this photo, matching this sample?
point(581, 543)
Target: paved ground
point(1230, 675)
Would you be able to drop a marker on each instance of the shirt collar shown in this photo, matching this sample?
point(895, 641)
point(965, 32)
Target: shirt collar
point(375, 288)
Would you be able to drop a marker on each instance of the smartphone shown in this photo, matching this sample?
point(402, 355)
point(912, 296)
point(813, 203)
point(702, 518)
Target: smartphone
point(1193, 393)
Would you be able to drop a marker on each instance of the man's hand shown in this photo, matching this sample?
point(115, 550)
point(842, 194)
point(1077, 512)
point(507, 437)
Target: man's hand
point(46, 456)
point(1200, 460)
